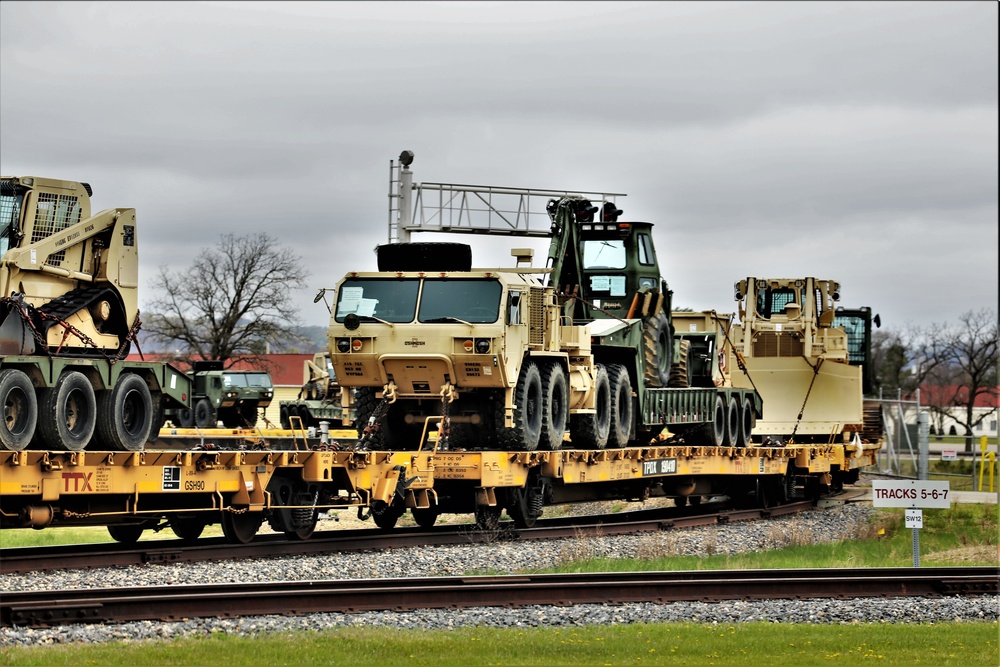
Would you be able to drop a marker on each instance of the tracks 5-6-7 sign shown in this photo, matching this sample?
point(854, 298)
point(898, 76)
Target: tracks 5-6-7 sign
point(910, 493)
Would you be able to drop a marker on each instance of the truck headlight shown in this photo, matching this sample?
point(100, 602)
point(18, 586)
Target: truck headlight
point(343, 345)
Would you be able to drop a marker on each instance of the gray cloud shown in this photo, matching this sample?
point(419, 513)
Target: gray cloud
point(856, 141)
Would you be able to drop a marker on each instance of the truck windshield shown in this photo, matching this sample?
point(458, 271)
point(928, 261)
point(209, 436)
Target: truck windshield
point(389, 299)
point(246, 380)
point(465, 300)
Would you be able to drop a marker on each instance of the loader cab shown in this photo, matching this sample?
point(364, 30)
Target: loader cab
point(857, 324)
point(608, 264)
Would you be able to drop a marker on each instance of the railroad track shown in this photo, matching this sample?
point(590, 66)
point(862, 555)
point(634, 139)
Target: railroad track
point(173, 603)
point(35, 559)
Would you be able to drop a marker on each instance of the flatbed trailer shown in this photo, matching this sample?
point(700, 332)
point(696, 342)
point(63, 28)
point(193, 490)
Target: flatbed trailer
point(187, 490)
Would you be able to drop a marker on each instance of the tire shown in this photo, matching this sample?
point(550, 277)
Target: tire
point(20, 409)
point(305, 416)
point(424, 257)
point(67, 413)
point(590, 431)
point(555, 406)
point(620, 432)
point(732, 423)
point(125, 414)
point(185, 418)
point(156, 423)
point(365, 403)
point(527, 431)
point(658, 348)
point(716, 430)
point(204, 414)
point(680, 372)
point(748, 420)
point(283, 418)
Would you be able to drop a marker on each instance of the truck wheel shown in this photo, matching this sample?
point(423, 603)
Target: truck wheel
point(424, 256)
point(590, 431)
point(658, 347)
point(555, 406)
point(621, 406)
point(185, 418)
point(732, 423)
point(158, 417)
point(68, 413)
point(305, 416)
point(365, 403)
point(204, 414)
point(720, 421)
point(125, 414)
point(527, 430)
point(20, 409)
point(680, 373)
point(283, 418)
point(748, 420)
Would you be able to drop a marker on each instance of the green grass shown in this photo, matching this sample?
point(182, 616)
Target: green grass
point(965, 644)
point(965, 534)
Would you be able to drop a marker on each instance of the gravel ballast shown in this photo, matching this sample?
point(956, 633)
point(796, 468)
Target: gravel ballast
point(822, 525)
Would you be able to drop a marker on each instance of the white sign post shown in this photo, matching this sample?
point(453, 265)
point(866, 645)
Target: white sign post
point(912, 494)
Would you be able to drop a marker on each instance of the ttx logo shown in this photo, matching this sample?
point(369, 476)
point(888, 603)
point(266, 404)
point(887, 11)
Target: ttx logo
point(80, 481)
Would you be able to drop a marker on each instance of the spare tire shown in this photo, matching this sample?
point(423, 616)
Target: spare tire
point(424, 257)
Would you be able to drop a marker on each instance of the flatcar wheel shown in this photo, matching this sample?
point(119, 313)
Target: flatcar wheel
point(241, 528)
point(487, 517)
point(125, 533)
point(302, 532)
point(188, 530)
point(387, 516)
point(425, 516)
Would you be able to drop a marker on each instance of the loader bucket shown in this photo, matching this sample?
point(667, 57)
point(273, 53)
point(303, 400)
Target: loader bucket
point(15, 335)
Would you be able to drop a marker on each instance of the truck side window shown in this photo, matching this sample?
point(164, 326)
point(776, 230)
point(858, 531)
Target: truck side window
point(513, 307)
point(646, 256)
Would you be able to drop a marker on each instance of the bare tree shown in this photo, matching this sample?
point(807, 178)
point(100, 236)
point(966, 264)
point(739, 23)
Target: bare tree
point(956, 365)
point(232, 303)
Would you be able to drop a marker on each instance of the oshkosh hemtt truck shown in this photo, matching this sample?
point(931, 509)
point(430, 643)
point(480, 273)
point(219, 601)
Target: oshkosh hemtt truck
point(68, 316)
point(513, 362)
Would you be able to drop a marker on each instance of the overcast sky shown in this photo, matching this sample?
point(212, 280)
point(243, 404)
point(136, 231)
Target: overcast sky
point(855, 141)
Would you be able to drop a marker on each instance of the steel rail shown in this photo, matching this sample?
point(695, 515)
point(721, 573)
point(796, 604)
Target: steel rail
point(172, 603)
point(34, 559)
